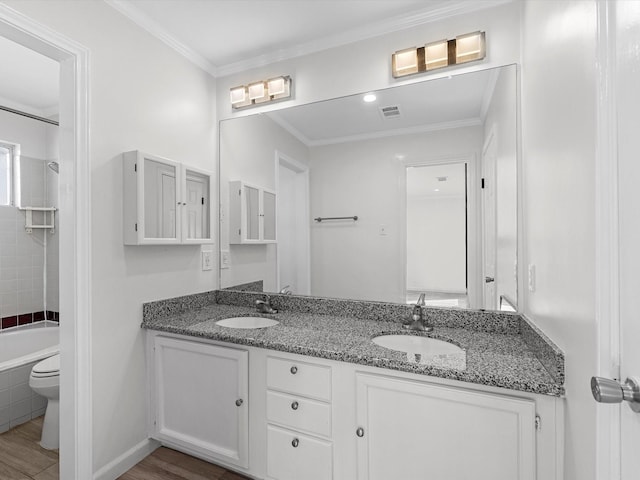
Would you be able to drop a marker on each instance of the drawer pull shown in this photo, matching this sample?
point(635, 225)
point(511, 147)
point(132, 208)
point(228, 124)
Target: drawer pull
point(294, 370)
point(360, 432)
point(294, 405)
point(239, 402)
point(295, 442)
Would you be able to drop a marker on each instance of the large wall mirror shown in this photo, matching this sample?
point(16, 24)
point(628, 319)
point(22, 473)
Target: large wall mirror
point(407, 190)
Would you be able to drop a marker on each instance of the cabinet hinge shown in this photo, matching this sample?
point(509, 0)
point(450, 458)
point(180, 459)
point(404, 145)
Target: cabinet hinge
point(482, 183)
point(239, 192)
point(239, 231)
point(135, 167)
point(538, 422)
point(136, 227)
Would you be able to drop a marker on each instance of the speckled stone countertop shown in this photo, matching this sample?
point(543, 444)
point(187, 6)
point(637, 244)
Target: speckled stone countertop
point(505, 360)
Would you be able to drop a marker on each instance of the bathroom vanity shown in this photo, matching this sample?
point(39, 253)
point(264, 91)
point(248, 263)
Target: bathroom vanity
point(313, 397)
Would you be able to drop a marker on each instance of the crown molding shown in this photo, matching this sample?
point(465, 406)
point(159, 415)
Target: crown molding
point(142, 20)
point(390, 25)
point(433, 127)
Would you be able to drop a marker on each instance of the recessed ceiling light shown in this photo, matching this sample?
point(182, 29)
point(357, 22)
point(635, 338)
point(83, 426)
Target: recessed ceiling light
point(437, 190)
point(369, 97)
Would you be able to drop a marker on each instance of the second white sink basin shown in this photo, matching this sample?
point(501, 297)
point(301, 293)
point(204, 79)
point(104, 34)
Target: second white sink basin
point(247, 322)
point(415, 345)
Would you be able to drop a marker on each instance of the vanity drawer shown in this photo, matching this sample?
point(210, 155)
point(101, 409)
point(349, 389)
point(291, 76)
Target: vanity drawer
point(302, 378)
point(299, 413)
point(292, 456)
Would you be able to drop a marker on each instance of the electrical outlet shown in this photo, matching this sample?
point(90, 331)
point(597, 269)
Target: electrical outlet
point(225, 259)
point(207, 260)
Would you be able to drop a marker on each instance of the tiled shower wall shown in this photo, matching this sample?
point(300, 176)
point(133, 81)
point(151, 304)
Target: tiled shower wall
point(22, 255)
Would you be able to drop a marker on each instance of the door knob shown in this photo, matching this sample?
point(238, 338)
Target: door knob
point(489, 279)
point(605, 390)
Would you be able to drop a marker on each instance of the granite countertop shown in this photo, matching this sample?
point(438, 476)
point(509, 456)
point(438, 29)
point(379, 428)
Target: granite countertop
point(494, 359)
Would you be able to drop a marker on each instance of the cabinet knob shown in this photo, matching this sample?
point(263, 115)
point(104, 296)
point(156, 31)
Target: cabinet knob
point(295, 442)
point(294, 405)
point(360, 432)
point(239, 402)
point(294, 370)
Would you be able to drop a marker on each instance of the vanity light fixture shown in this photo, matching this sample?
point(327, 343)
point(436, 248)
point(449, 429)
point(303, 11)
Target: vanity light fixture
point(261, 92)
point(443, 53)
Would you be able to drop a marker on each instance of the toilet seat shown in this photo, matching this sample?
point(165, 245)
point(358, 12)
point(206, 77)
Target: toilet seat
point(49, 367)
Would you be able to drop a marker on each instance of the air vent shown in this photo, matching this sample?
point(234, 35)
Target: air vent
point(442, 179)
point(390, 112)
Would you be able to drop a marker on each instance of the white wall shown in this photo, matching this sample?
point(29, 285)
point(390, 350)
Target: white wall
point(143, 95)
point(558, 142)
point(366, 178)
point(247, 151)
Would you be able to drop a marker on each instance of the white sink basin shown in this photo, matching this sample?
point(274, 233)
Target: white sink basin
point(414, 345)
point(247, 322)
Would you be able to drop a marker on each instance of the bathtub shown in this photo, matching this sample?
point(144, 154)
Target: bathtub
point(20, 349)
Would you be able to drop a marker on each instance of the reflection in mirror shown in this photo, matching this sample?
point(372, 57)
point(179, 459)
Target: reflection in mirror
point(160, 199)
point(345, 158)
point(197, 195)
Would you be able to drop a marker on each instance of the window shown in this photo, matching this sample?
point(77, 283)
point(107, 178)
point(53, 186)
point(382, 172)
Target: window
point(6, 154)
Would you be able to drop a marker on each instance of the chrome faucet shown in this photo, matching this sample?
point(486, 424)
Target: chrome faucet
point(264, 306)
point(418, 317)
point(285, 290)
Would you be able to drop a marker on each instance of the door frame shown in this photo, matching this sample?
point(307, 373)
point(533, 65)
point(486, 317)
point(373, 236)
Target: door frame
point(75, 234)
point(290, 162)
point(473, 216)
point(608, 431)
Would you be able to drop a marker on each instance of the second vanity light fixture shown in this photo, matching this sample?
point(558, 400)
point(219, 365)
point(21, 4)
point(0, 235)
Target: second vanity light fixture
point(261, 92)
point(444, 53)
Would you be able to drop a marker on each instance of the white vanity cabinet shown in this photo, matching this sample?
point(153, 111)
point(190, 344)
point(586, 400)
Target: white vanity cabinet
point(200, 402)
point(165, 202)
point(409, 429)
point(318, 419)
point(252, 214)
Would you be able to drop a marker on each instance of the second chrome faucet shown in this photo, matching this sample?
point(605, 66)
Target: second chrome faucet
point(264, 306)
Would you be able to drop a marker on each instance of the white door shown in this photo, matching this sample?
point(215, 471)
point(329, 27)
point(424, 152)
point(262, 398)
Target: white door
point(489, 224)
point(414, 430)
point(628, 71)
point(201, 399)
point(293, 226)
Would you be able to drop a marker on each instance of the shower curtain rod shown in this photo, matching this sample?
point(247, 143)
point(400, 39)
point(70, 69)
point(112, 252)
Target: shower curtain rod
point(29, 115)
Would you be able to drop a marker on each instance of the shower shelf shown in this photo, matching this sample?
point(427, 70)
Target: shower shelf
point(28, 218)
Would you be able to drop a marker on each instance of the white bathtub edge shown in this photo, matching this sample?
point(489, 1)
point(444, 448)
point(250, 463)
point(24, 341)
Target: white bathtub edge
point(127, 460)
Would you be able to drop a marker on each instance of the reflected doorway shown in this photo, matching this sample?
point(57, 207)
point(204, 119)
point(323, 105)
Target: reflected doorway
point(293, 264)
point(436, 247)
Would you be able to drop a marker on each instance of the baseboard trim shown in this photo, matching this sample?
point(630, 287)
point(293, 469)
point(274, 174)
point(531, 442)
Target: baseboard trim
point(127, 460)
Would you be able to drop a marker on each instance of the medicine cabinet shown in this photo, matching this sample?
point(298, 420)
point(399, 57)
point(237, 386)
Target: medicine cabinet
point(252, 214)
point(165, 202)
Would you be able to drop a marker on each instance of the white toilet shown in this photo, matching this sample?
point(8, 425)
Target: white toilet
point(45, 381)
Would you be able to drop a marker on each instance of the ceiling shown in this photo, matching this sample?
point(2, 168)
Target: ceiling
point(449, 102)
point(228, 36)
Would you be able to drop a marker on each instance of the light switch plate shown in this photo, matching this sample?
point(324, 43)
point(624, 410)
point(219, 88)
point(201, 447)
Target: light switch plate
point(207, 260)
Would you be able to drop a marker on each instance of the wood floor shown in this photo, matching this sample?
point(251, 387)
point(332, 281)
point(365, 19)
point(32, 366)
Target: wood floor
point(167, 464)
point(22, 458)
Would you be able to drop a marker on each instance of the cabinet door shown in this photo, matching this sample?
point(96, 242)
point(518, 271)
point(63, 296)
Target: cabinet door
point(414, 430)
point(196, 226)
point(252, 212)
point(269, 215)
point(201, 399)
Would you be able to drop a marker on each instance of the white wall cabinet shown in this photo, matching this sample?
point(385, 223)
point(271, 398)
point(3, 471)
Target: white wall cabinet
point(318, 419)
point(409, 429)
point(201, 399)
point(252, 214)
point(165, 202)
